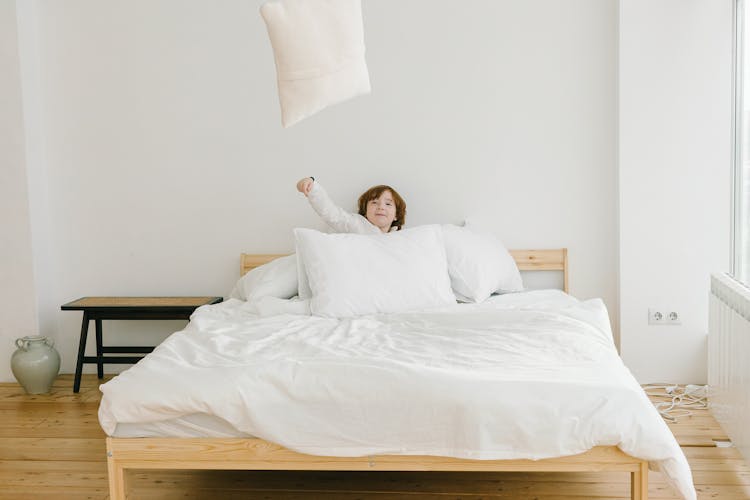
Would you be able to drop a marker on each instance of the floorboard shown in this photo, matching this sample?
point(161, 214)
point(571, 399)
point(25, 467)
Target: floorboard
point(51, 446)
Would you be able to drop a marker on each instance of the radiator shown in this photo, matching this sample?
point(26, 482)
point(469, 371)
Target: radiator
point(729, 358)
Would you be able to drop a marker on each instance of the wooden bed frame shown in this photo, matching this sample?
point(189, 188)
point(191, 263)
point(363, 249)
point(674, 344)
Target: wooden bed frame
point(526, 260)
point(257, 454)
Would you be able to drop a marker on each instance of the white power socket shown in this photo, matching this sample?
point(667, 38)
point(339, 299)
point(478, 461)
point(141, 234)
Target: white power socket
point(673, 318)
point(665, 317)
point(656, 317)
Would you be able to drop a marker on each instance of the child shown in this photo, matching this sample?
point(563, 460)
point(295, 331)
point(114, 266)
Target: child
point(381, 209)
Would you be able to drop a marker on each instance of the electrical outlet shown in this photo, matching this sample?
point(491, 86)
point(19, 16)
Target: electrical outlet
point(656, 317)
point(663, 317)
point(673, 318)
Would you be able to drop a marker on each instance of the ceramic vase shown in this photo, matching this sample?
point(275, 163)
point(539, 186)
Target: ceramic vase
point(35, 364)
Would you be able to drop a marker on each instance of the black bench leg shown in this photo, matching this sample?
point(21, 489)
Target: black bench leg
point(99, 363)
point(81, 352)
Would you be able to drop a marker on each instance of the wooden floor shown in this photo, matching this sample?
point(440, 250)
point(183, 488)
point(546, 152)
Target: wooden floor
point(51, 446)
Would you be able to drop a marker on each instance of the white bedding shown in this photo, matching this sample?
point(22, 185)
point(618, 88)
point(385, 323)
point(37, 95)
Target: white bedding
point(527, 375)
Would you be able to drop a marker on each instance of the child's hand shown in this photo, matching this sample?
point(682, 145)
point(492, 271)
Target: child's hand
point(305, 185)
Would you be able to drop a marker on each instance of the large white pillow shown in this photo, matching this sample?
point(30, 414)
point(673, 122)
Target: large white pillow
point(478, 264)
point(319, 48)
point(277, 278)
point(355, 274)
point(303, 287)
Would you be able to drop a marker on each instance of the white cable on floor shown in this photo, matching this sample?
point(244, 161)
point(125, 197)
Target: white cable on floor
point(683, 399)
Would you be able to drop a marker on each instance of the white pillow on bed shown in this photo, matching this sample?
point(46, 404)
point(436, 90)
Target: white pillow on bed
point(303, 287)
point(355, 274)
point(479, 264)
point(277, 278)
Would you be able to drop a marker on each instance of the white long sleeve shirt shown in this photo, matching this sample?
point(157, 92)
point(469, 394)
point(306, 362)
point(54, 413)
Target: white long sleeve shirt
point(339, 219)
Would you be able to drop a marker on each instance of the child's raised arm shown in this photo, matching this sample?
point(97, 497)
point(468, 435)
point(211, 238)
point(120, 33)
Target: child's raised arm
point(339, 219)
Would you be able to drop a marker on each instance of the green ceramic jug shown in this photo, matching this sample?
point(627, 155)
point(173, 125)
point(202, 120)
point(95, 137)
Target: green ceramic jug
point(35, 364)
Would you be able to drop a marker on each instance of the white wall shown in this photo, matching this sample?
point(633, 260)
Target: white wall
point(158, 153)
point(154, 152)
point(674, 178)
point(17, 297)
point(165, 158)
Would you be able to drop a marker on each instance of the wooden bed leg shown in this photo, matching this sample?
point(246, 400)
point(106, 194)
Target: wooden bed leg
point(639, 483)
point(116, 474)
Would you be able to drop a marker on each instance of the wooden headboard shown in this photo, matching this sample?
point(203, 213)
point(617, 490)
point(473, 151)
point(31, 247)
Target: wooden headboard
point(555, 259)
point(526, 260)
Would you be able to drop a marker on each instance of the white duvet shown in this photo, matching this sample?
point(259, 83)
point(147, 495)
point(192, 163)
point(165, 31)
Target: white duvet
point(528, 375)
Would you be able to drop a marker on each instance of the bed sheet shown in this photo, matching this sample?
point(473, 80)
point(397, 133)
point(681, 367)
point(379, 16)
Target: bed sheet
point(526, 375)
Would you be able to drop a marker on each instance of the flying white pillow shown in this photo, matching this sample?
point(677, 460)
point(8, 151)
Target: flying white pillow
point(319, 48)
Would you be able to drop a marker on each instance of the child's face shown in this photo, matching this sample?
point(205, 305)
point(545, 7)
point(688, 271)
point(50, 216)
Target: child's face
point(381, 211)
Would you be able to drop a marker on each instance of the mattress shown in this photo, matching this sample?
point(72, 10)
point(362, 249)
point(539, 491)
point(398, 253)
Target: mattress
point(528, 375)
point(194, 425)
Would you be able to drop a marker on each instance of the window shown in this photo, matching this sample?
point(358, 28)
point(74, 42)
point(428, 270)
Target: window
point(741, 192)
